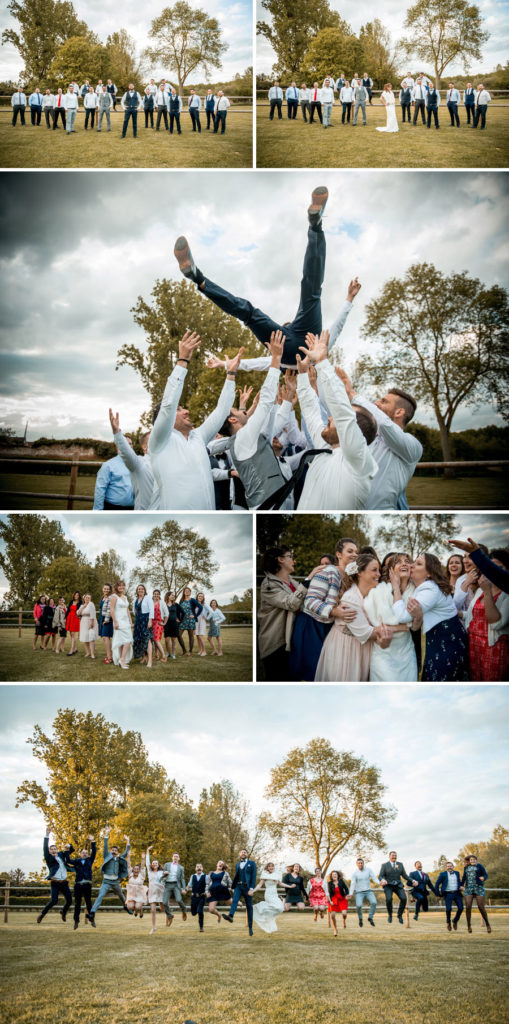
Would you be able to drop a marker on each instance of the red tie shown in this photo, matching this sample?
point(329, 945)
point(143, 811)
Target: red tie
point(59, 98)
point(316, 90)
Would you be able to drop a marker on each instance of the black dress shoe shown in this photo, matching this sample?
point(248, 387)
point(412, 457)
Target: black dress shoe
point(371, 922)
point(76, 925)
point(39, 919)
point(361, 923)
point(227, 917)
point(250, 931)
point(400, 919)
point(389, 918)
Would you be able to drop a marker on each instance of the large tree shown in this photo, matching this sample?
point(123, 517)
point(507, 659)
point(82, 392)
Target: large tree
point(378, 53)
point(176, 306)
point(109, 567)
point(444, 337)
point(31, 543)
point(416, 534)
point(292, 27)
point(167, 821)
point(123, 64)
point(333, 50)
point(224, 814)
point(65, 575)
point(443, 31)
point(43, 26)
point(93, 768)
point(186, 40)
point(172, 557)
point(327, 800)
point(78, 58)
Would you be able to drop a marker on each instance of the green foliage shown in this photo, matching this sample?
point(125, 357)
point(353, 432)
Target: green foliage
point(309, 536)
point(327, 800)
point(448, 335)
point(32, 542)
point(443, 31)
point(173, 557)
point(223, 812)
point(378, 55)
point(65, 575)
point(333, 50)
point(175, 307)
point(186, 39)
point(293, 26)
point(109, 567)
point(78, 58)
point(417, 533)
point(122, 64)
point(43, 26)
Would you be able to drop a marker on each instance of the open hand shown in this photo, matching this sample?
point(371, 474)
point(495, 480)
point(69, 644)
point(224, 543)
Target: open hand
point(353, 289)
point(232, 365)
point(188, 344)
point(115, 421)
point(244, 397)
point(214, 362)
point(276, 346)
point(343, 376)
point(465, 545)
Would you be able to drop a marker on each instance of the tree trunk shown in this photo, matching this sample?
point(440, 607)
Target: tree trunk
point(445, 441)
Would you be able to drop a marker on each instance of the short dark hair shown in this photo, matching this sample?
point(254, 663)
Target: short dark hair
point(332, 558)
point(227, 429)
point(502, 555)
point(367, 424)
point(407, 403)
point(270, 560)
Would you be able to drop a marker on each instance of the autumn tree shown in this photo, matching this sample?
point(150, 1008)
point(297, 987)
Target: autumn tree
point(173, 557)
point(445, 337)
point(43, 26)
point(416, 534)
point(186, 40)
point(78, 58)
point(326, 800)
point(31, 543)
point(291, 29)
point(176, 306)
point(93, 769)
point(494, 854)
point(166, 820)
point(443, 31)
point(224, 814)
point(378, 53)
point(332, 50)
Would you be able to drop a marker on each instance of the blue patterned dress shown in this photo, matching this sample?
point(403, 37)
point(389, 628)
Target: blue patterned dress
point(141, 633)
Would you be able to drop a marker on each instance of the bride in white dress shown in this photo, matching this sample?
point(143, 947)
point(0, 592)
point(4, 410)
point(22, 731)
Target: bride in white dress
point(122, 641)
point(266, 913)
point(396, 663)
point(387, 97)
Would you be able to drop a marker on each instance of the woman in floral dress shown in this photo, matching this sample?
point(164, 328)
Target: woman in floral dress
point(136, 894)
point(191, 610)
point(474, 877)
point(316, 890)
point(142, 629)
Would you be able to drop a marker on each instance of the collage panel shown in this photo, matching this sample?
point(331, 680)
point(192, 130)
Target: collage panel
point(314, 844)
point(164, 86)
point(426, 85)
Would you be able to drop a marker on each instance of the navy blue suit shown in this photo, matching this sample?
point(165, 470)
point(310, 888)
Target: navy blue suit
point(450, 897)
point(244, 879)
point(83, 880)
point(420, 891)
point(57, 888)
point(198, 886)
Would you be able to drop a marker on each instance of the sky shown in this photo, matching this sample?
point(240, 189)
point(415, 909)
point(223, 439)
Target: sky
point(234, 16)
point(78, 248)
point(231, 542)
point(392, 15)
point(426, 742)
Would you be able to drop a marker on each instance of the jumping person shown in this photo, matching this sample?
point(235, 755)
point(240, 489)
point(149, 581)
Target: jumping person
point(57, 868)
point(360, 887)
point(197, 886)
point(448, 885)
point(174, 886)
point(82, 867)
point(114, 869)
point(155, 887)
point(296, 895)
point(316, 890)
point(390, 877)
point(474, 877)
point(218, 888)
point(309, 313)
point(136, 894)
point(244, 881)
point(420, 892)
point(338, 898)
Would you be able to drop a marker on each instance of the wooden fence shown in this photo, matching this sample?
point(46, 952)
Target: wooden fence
point(22, 618)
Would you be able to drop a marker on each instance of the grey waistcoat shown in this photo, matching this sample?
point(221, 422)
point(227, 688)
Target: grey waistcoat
point(260, 474)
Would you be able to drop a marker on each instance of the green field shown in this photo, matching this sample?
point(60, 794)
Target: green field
point(19, 663)
point(296, 144)
point(299, 975)
point(489, 492)
point(40, 147)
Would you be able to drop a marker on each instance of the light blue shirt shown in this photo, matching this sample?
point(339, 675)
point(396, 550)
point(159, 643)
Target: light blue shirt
point(453, 96)
point(292, 93)
point(194, 102)
point(113, 484)
point(35, 99)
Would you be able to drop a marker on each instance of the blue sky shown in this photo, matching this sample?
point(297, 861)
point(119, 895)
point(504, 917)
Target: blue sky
point(234, 16)
point(392, 15)
point(230, 538)
point(83, 264)
point(442, 751)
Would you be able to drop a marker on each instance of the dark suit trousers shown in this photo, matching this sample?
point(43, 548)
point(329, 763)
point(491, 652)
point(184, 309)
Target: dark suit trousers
point(82, 891)
point(306, 109)
point(420, 105)
point(395, 890)
point(453, 113)
point(470, 112)
point(347, 109)
point(176, 118)
point(49, 118)
point(433, 112)
point(210, 118)
point(405, 109)
point(162, 112)
point(89, 116)
point(149, 116)
point(220, 119)
point(127, 115)
point(58, 112)
point(241, 892)
point(58, 889)
point(480, 115)
point(318, 107)
point(450, 898)
point(273, 105)
point(421, 903)
point(292, 109)
point(309, 313)
point(35, 115)
point(197, 905)
point(195, 118)
point(18, 109)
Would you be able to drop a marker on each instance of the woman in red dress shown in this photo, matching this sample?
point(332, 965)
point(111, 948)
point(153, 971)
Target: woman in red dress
point(158, 622)
point(73, 623)
point(338, 902)
point(316, 890)
point(488, 629)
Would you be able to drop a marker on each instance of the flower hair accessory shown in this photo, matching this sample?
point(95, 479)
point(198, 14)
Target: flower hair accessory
point(351, 569)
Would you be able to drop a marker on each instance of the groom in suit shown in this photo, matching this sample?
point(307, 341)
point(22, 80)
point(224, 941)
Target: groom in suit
point(390, 877)
point(244, 882)
point(420, 892)
point(57, 875)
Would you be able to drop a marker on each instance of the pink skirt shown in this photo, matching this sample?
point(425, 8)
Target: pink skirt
point(343, 659)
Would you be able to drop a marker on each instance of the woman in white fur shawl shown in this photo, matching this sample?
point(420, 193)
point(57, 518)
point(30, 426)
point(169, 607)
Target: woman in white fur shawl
point(396, 663)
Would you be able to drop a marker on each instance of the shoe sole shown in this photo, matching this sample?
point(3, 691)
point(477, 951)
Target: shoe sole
point(319, 197)
point(182, 254)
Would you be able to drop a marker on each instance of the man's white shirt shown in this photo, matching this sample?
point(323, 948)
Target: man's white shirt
point(146, 492)
point(396, 453)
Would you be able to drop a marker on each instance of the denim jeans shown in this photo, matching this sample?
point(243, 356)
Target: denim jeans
point(70, 119)
point(326, 113)
point(106, 888)
point(365, 894)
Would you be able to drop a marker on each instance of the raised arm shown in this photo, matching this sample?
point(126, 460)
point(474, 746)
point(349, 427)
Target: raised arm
point(165, 421)
point(128, 456)
point(309, 404)
point(399, 441)
point(337, 325)
point(211, 425)
point(247, 438)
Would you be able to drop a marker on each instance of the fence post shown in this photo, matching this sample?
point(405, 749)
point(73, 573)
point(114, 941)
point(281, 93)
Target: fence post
point(6, 901)
point(73, 480)
point(20, 620)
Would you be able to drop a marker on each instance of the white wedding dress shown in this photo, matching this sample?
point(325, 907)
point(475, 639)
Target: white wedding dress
point(396, 663)
point(266, 913)
point(124, 634)
point(390, 108)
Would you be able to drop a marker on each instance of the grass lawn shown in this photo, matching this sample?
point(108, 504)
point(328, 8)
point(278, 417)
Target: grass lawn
point(39, 147)
point(299, 975)
point(18, 663)
point(296, 144)
point(489, 492)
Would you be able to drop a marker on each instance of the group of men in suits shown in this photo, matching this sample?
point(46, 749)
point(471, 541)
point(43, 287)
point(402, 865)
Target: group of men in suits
point(425, 97)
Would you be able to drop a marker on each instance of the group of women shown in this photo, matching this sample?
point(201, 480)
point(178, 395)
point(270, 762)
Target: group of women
point(129, 632)
point(355, 618)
